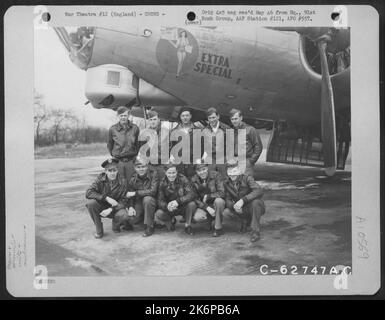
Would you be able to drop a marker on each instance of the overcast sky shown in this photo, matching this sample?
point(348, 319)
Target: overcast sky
point(61, 82)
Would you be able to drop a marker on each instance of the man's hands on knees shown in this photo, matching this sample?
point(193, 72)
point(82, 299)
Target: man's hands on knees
point(131, 212)
point(106, 212)
point(130, 194)
point(112, 202)
point(238, 206)
point(172, 206)
point(211, 211)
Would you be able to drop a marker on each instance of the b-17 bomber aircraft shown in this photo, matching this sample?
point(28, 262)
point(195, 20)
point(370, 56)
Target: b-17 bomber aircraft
point(293, 81)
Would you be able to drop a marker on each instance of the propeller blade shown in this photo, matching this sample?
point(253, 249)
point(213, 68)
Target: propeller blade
point(328, 123)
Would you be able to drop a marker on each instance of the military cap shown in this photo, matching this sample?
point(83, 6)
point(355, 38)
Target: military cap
point(152, 114)
point(232, 163)
point(140, 161)
point(122, 109)
point(109, 161)
point(170, 164)
point(199, 163)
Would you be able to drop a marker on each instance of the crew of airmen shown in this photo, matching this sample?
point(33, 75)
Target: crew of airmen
point(133, 190)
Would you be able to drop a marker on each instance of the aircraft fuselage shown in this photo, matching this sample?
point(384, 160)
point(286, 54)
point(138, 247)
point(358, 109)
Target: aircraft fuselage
point(261, 71)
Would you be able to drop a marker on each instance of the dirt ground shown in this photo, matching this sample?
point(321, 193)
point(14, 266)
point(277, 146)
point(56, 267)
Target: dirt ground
point(307, 224)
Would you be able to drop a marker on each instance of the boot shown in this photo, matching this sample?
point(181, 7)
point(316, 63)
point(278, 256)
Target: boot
point(98, 235)
point(148, 231)
point(173, 222)
point(255, 236)
point(217, 232)
point(189, 230)
point(128, 227)
point(243, 227)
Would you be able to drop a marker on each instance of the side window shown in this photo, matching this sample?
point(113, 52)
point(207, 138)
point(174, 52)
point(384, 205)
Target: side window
point(113, 78)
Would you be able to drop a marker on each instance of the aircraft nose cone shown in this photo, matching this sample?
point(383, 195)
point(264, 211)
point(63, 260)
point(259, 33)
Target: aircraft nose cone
point(79, 44)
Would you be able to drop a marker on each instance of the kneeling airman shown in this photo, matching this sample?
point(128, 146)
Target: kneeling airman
point(142, 191)
point(244, 199)
point(210, 192)
point(106, 198)
point(175, 197)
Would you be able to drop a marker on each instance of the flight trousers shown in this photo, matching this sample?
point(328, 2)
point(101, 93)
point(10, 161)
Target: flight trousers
point(219, 206)
point(126, 168)
point(145, 211)
point(166, 217)
point(250, 215)
point(95, 207)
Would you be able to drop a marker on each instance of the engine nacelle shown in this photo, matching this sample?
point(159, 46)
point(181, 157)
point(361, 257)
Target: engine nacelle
point(110, 86)
point(338, 52)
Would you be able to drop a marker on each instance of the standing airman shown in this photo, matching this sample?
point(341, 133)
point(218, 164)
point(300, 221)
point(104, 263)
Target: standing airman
point(215, 136)
point(185, 128)
point(157, 140)
point(253, 140)
point(123, 142)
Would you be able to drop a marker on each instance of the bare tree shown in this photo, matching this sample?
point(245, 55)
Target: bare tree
point(54, 125)
point(59, 118)
point(40, 114)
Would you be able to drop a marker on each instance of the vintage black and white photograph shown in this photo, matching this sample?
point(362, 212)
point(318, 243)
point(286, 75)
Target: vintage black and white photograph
point(195, 150)
point(97, 88)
